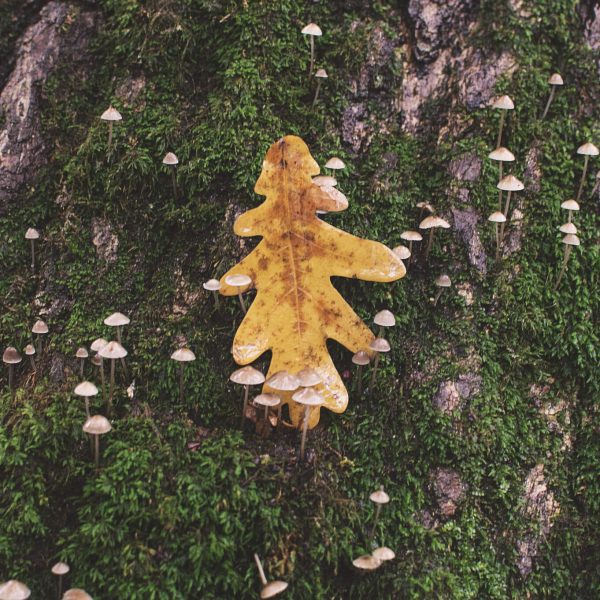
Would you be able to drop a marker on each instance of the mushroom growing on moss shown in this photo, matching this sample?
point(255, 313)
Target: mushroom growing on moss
point(402, 252)
point(32, 234)
point(379, 498)
point(11, 357)
point(268, 401)
point(213, 285)
point(508, 184)
point(14, 590)
point(119, 320)
point(81, 355)
point(432, 222)
point(269, 589)
point(310, 399)
point(320, 75)
point(360, 359)
point(60, 569)
point(246, 376)
point(503, 103)
point(384, 318)
point(378, 346)
point(76, 594)
point(113, 351)
point(383, 554)
point(182, 356)
point(569, 241)
point(97, 360)
point(110, 115)
point(588, 149)
point(312, 30)
point(172, 161)
point(97, 426)
point(496, 218)
point(335, 164)
point(366, 562)
point(410, 237)
point(30, 351)
point(555, 81)
point(443, 281)
point(39, 328)
point(86, 389)
point(501, 155)
point(571, 206)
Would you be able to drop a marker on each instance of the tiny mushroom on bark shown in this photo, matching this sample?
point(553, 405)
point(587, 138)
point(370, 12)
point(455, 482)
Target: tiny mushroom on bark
point(320, 75)
point(30, 351)
point(76, 594)
point(14, 590)
point(588, 149)
point(496, 218)
point(246, 376)
point(81, 354)
point(312, 30)
point(509, 184)
point(360, 359)
point(113, 351)
point(119, 320)
point(32, 234)
point(269, 589)
point(60, 569)
point(384, 318)
point(172, 161)
point(432, 222)
point(555, 81)
point(366, 562)
point(86, 389)
point(571, 206)
point(378, 346)
point(182, 356)
point(569, 241)
point(502, 103)
point(379, 498)
point(110, 115)
point(97, 426)
point(335, 164)
point(410, 237)
point(443, 281)
point(501, 155)
point(213, 285)
point(310, 399)
point(39, 328)
point(11, 357)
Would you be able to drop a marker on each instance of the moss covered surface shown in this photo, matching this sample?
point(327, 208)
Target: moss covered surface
point(221, 81)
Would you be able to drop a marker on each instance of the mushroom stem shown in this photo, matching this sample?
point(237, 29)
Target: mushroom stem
point(174, 181)
point(216, 295)
point(32, 361)
point(123, 363)
point(570, 216)
point(583, 174)
point(180, 382)
point(110, 136)
point(429, 243)
point(564, 265)
point(437, 296)
point(102, 379)
point(499, 142)
point(374, 374)
point(242, 304)
point(549, 102)
point(244, 405)
point(500, 191)
point(261, 573)
point(312, 54)
point(33, 255)
point(410, 244)
point(87, 407)
point(317, 92)
point(359, 381)
point(60, 586)
point(497, 242)
point(279, 417)
point(304, 431)
point(39, 343)
point(505, 213)
point(97, 451)
point(10, 379)
point(82, 361)
point(112, 386)
point(377, 511)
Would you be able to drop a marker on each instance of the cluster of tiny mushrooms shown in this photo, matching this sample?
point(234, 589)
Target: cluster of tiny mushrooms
point(300, 383)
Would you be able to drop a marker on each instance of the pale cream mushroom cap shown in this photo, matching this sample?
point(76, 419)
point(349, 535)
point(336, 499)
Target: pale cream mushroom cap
point(81, 353)
point(283, 381)
point(272, 589)
point(402, 252)
point(96, 360)
point(113, 350)
point(170, 159)
point(76, 594)
point(60, 568)
point(29, 349)
point(570, 205)
point(212, 285)
point(411, 236)
point(98, 344)
point(14, 590)
point(116, 320)
point(497, 217)
point(111, 114)
point(571, 240)
point(426, 206)
point(308, 397)
point(380, 345)
point(11, 356)
point(433, 221)
point(366, 562)
point(321, 73)
point(384, 553)
point(335, 163)
point(510, 184)
point(568, 228)
point(325, 181)
point(97, 425)
point(86, 389)
point(32, 234)
point(361, 358)
point(443, 281)
point(39, 327)
point(247, 376)
point(502, 154)
point(379, 497)
point(312, 29)
point(238, 280)
point(339, 201)
point(267, 400)
point(183, 355)
point(589, 149)
point(385, 318)
point(503, 103)
point(556, 79)
point(308, 377)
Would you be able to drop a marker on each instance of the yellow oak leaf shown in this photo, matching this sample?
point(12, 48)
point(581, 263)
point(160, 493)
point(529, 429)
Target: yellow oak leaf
point(296, 308)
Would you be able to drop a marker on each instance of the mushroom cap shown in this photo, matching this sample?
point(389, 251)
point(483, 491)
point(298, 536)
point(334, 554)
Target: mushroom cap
point(98, 344)
point(39, 327)
point(571, 240)
point(497, 217)
point(309, 377)
point(212, 285)
point(556, 79)
point(272, 589)
point(433, 221)
point(312, 29)
point(570, 205)
point(238, 280)
point(589, 149)
point(111, 114)
point(426, 206)
point(14, 590)
point(510, 184)
point(29, 349)
point(32, 234)
point(308, 397)
point(113, 350)
point(379, 497)
point(247, 376)
point(170, 159)
point(335, 163)
point(81, 353)
point(385, 318)
point(568, 228)
point(11, 356)
point(502, 154)
point(325, 181)
point(183, 355)
point(503, 103)
point(380, 345)
point(384, 553)
point(402, 252)
point(283, 381)
point(86, 389)
point(97, 425)
point(321, 73)
point(60, 568)
point(267, 400)
point(366, 562)
point(116, 320)
point(443, 281)
point(76, 594)
point(96, 360)
point(361, 358)
point(411, 236)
